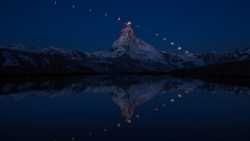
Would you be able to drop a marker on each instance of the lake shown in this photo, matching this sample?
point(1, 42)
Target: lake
point(122, 108)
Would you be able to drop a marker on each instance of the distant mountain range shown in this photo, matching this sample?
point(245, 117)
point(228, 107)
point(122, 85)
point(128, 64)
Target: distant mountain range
point(128, 54)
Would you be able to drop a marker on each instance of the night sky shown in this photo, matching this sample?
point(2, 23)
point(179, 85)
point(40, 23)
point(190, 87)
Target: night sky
point(199, 26)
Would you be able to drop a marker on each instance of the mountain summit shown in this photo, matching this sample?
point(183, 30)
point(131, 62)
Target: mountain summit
point(127, 40)
point(128, 54)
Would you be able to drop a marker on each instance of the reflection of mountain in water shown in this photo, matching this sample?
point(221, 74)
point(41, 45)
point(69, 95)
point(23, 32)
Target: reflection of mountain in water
point(127, 91)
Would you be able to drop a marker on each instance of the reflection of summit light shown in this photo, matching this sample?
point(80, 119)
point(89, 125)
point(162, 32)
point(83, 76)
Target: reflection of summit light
point(179, 95)
point(186, 52)
point(129, 121)
point(171, 100)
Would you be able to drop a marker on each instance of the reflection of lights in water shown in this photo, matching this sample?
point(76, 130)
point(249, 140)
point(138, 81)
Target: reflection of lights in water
point(137, 26)
point(55, 2)
point(129, 121)
point(186, 52)
point(171, 100)
point(179, 48)
point(172, 43)
point(119, 19)
point(105, 129)
point(90, 133)
point(137, 116)
point(118, 125)
point(164, 39)
point(156, 109)
point(105, 14)
point(164, 105)
point(89, 10)
point(73, 138)
point(156, 34)
point(73, 6)
point(129, 22)
point(186, 91)
point(179, 95)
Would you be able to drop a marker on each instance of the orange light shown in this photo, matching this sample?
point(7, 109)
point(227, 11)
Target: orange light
point(129, 22)
point(118, 125)
point(129, 121)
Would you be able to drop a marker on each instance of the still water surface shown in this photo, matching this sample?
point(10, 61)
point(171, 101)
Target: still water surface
point(122, 108)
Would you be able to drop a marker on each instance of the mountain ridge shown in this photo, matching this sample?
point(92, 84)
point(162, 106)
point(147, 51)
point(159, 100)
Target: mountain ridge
point(128, 54)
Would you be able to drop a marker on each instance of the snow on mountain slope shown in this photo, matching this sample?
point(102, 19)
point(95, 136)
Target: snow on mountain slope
point(128, 54)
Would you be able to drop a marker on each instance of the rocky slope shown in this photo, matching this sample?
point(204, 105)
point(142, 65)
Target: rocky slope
point(128, 54)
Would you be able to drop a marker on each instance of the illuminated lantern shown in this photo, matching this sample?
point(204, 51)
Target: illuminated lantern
point(156, 34)
point(164, 39)
point(186, 91)
point(73, 6)
point(55, 2)
point(179, 95)
point(129, 22)
point(119, 19)
point(164, 105)
point(129, 121)
point(186, 52)
point(172, 43)
point(118, 125)
point(179, 48)
point(156, 109)
point(171, 100)
point(105, 14)
point(137, 116)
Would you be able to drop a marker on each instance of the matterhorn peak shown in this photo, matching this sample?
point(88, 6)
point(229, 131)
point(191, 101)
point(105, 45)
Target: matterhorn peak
point(126, 31)
point(128, 41)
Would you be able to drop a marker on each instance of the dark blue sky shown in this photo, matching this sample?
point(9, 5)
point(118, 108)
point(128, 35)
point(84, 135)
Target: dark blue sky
point(199, 26)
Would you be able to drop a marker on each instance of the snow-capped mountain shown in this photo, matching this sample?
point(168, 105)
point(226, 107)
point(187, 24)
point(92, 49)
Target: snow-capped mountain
point(127, 94)
point(128, 54)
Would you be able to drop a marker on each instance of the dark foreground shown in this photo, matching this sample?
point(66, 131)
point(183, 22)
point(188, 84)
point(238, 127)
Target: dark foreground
point(122, 107)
